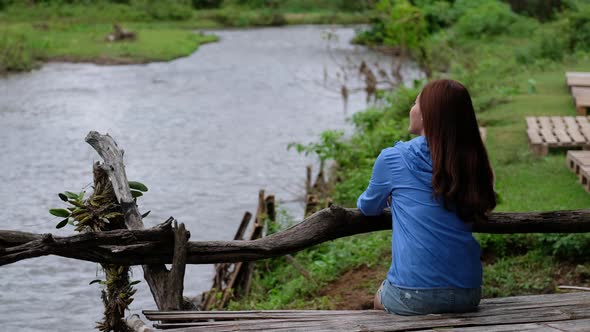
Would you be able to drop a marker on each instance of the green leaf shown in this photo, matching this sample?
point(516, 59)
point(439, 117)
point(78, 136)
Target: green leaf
point(113, 215)
point(62, 223)
point(146, 214)
point(71, 195)
point(95, 281)
point(134, 282)
point(81, 195)
point(137, 186)
point(136, 193)
point(63, 197)
point(60, 212)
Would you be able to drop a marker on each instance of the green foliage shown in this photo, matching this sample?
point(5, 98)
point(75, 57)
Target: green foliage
point(566, 246)
point(402, 24)
point(206, 4)
point(166, 9)
point(488, 19)
point(328, 147)
point(138, 186)
point(238, 18)
point(16, 52)
point(395, 23)
point(578, 27)
point(308, 5)
point(527, 274)
point(547, 43)
point(540, 9)
point(438, 13)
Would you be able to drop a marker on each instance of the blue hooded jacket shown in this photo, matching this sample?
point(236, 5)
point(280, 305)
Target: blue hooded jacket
point(431, 247)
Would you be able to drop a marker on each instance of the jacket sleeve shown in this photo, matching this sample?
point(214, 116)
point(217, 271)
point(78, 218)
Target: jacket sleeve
point(374, 199)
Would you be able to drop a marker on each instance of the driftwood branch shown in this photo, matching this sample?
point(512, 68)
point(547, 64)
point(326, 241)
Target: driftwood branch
point(156, 245)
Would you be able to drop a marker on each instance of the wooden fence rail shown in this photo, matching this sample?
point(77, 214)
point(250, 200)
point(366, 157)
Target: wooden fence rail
point(168, 243)
point(155, 245)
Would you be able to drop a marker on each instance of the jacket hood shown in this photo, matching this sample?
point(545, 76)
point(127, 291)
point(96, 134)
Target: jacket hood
point(416, 155)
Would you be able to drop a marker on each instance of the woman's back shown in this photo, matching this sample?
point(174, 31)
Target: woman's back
point(437, 183)
point(431, 247)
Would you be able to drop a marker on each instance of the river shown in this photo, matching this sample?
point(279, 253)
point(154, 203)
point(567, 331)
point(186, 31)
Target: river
point(204, 133)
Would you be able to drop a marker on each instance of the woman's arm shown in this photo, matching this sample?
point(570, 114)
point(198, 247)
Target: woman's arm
point(375, 198)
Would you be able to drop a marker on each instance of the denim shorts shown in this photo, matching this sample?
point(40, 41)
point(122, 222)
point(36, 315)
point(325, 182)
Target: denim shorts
point(408, 301)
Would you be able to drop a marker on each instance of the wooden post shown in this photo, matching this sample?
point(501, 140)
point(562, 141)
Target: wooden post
point(222, 269)
point(242, 273)
point(308, 180)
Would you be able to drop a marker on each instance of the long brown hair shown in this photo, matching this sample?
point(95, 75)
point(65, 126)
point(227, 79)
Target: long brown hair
point(461, 173)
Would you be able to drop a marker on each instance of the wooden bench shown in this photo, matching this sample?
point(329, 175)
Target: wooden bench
point(581, 79)
point(546, 132)
point(552, 312)
point(579, 163)
point(582, 103)
point(580, 91)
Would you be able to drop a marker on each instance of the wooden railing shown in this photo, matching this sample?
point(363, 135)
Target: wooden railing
point(168, 242)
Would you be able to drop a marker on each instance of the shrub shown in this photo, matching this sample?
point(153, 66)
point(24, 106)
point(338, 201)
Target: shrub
point(541, 9)
point(16, 53)
point(578, 28)
point(167, 9)
point(567, 246)
point(204, 4)
point(547, 44)
point(438, 13)
point(356, 5)
point(490, 18)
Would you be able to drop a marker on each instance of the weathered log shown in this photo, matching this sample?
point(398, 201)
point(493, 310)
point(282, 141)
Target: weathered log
point(335, 222)
point(166, 286)
point(136, 324)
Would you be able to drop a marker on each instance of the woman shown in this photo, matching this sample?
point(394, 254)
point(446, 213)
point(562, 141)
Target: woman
point(437, 184)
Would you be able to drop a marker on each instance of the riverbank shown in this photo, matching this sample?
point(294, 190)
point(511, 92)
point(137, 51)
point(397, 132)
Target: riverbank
point(512, 70)
point(31, 35)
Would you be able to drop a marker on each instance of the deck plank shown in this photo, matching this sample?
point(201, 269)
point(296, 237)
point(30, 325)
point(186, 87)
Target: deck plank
point(578, 81)
point(551, 312)
point(531, 122)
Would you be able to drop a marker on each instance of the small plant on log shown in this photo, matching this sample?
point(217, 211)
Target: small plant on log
point(102, 212)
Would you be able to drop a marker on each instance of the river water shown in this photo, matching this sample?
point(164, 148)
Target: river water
point(204, 133)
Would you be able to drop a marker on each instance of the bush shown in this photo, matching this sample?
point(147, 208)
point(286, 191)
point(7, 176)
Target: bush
point(205, 4)
point(488, 19)
point(547, 44)
point(540, 9)
point(578, 28)
point(229, 17)
point(355, 5)
point(567, 246)
point(167, 9)
point(16, 53)
point(438, 13)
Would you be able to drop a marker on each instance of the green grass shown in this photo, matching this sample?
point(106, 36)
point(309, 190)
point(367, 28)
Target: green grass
point(86, 43)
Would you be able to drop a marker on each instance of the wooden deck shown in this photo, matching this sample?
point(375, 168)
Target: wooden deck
point(546, 132)
point(553, 312)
